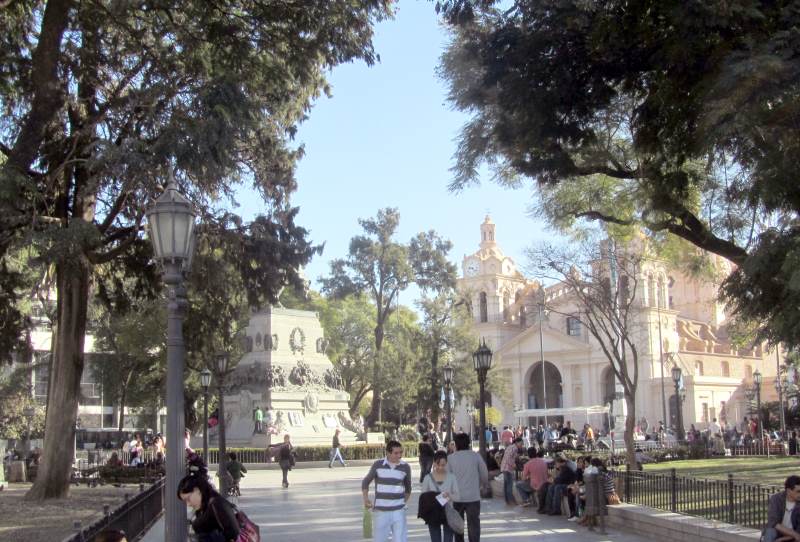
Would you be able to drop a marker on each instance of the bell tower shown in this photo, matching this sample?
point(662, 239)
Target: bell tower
point(487, 233)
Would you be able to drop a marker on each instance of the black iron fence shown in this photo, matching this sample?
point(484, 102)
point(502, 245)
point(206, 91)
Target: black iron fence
point(133, 517)
point(729, 500)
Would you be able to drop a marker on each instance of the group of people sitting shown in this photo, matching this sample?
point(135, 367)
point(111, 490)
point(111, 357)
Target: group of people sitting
point(554, 484)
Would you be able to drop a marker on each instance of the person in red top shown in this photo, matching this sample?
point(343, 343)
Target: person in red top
point(534, 475)
point(506, 437)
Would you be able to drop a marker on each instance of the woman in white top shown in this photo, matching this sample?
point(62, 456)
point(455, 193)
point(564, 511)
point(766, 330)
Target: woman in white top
point(443, 482)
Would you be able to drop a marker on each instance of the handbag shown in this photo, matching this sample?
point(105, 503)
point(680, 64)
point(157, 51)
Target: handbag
point(248, 531)
point(613, 498)
point(454, 519)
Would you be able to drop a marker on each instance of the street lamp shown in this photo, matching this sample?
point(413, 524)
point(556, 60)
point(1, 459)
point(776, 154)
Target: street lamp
point(676, 378)
point(447, 376)
point(29, 412)
point(171, 224)
point(482, 358)
point(205, 381)
point(757, 382)
point(221, 365)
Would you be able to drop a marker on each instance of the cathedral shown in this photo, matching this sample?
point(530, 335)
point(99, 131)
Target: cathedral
point(558, 364)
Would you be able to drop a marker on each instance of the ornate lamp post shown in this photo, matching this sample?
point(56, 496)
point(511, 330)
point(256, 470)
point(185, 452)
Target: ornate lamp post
point(171, 224)
point(221, 361)
point(29, 412)
point(676, 378)
point(447, 376)
point(205, 381)
point(482, 358)
point(757, 382)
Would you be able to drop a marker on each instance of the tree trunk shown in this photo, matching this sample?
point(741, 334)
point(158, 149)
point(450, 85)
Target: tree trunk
point(122, 399)
point(434, 389)
point(375, 409)
point(52, 480)
point(630, 424)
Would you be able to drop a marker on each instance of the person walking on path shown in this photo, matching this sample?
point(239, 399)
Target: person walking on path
point(470, 471)
point(392, 477)
point(236, 470)
point(336, 453)
point(425, 457)
point(508, 466)
point(285, 457)
point(443, 484)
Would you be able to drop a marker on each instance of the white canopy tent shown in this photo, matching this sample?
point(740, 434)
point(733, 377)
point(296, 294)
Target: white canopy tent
point(572, 413)
point(542, 412)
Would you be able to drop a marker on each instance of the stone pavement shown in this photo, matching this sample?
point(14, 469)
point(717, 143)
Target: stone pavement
point(324, 504)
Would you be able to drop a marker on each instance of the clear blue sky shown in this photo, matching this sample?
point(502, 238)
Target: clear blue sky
point(386, 139)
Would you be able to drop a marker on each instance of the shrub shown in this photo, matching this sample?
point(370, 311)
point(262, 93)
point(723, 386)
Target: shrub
point(321, 453)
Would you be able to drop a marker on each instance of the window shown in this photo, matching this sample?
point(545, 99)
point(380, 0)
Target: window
point(484, 308)
point(573, 326)
point(726, 368)
point(662, 292)
point(698, 368)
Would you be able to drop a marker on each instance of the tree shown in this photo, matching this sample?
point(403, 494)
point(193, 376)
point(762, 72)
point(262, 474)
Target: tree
point(100, 99)
point(603, 281)
point(132, 366)
point(682, 113)
point(381, 267)
point(15, 397)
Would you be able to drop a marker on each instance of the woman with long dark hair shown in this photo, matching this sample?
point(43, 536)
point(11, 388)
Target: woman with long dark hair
point(214, 517)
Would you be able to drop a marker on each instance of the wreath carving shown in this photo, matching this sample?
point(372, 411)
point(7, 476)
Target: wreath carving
point(297, 341)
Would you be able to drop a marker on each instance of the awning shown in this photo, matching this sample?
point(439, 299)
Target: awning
point(542, 412)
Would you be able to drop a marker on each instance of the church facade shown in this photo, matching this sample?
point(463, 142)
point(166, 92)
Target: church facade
point(558, 364)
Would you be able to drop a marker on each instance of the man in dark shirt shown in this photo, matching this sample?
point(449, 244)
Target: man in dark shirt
point(425, 457)
point(336, 453)
point(564, 477)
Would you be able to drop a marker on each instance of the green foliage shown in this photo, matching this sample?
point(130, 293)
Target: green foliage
point(321, 453)
point(15, 397)
point(649, 115)
point(493, 416)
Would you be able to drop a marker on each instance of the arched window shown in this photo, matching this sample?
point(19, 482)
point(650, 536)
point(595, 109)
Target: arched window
point(651, 291)
point(698, 368)
point(506, 306)
point(726, 368)
point(484, 308)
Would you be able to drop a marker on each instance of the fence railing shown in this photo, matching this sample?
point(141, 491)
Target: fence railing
point(730, 500)
point(133, 517)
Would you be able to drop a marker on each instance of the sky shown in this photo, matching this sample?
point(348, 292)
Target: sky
point(386, 138)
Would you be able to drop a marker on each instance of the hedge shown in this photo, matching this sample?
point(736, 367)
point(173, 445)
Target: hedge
point(319, 453)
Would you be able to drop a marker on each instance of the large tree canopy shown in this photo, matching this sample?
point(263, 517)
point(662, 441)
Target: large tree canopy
point(678, 116)
point(101, 98)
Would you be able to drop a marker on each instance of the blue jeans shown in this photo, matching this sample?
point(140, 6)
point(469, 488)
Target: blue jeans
point(525, 489)
point(554, 493)
point(385, 522)
point(508, 487)
point(336, 454)
point(440, 533)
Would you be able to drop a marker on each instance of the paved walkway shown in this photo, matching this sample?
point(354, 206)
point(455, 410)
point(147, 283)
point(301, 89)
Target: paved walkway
point(325, 505)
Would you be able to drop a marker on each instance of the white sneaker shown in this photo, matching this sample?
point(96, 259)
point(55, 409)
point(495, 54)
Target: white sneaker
point(573, 518)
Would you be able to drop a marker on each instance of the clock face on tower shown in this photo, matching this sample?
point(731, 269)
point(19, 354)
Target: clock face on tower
point(472, 268)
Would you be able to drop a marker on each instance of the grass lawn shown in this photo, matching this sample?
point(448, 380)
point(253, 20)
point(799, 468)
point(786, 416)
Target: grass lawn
point(754, 470)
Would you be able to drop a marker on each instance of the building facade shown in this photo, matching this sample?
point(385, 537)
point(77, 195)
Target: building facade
point(551, 361)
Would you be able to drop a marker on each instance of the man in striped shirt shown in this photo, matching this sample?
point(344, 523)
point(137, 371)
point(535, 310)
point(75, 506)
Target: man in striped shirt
point(392, 478)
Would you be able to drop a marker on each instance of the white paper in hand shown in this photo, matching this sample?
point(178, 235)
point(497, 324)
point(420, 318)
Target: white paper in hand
point(442, 499)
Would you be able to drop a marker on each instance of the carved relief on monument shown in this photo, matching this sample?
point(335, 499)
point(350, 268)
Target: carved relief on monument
point(304, 376)
point(297, 341)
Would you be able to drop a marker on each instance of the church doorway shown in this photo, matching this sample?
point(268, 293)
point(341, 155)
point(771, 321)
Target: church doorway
point(551, 384)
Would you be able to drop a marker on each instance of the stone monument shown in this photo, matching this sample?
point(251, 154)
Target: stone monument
point(286, 374)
